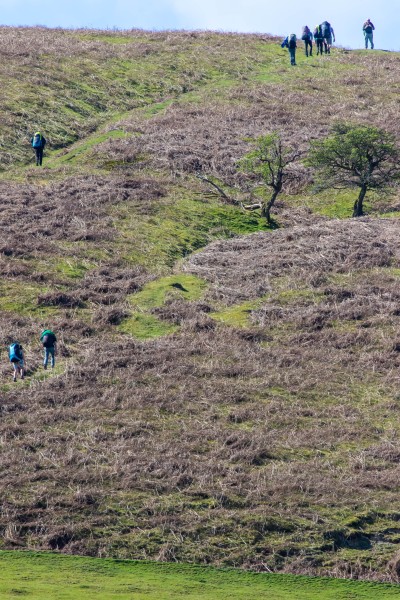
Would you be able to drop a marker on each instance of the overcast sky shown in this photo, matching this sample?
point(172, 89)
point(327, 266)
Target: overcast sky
point(265, 16)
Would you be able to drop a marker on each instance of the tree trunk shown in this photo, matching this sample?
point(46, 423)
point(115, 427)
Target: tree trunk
point(266, 209)
point(358, 204)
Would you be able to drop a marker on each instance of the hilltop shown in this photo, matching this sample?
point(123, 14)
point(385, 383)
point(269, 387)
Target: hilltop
point(225, 393)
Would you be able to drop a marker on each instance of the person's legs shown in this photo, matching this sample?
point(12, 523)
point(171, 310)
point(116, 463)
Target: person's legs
point(18, 370)
point(53, 358)
point(292, 52)
point(328, 44)
point(40, 156)
point(310, 42)
point(46, 357)
point(369, 38)
point(37, 153)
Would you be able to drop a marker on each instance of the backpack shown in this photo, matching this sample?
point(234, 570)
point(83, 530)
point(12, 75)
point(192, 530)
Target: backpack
point(306, 33)
point(317, 33)
point(326, 29)
point(37, 141)
point(15, 352)
point(292, 40)
point(48, 339)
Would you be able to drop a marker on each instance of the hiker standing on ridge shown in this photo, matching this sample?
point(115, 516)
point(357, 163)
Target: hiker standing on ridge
point(38, 143)
point(368, 29)
point(290, 43)
point(16, 356)
point(319, 39)
point(49, 343)
point(307, 39)
point(328, 35)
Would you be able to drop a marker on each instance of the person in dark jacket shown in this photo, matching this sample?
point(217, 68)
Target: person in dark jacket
point(368, 29)
point(307, 37)
point(38, 142)
point(329, 36)
point(319, 39)
point(49, 342)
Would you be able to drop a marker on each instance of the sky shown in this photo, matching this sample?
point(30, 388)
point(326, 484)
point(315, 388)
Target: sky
point(262, 16)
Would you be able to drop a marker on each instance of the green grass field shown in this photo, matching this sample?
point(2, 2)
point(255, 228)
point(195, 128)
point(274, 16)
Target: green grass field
point(51, 576)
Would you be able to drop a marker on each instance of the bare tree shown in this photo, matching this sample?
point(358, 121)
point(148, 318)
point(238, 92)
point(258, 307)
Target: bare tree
point(270, 161)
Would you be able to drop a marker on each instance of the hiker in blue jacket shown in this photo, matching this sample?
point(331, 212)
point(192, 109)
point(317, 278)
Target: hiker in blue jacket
point(38, 142)
point(290, 43)
point(16, 356)
point(307, 37)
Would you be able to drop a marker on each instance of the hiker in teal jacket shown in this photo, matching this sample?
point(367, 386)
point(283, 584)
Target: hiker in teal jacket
point(16, 356)
point(38, 142)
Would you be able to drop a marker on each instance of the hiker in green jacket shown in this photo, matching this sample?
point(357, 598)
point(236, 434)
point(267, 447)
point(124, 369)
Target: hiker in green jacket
point(49, 343)
point(38, 142)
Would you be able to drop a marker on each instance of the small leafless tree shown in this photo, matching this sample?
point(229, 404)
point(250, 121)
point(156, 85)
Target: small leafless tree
point(270, 161)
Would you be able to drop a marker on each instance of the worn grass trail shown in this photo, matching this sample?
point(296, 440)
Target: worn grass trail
point(53, 577)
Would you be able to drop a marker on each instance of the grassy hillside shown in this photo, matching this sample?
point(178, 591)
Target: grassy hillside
point(224, 393)
point(37, 576)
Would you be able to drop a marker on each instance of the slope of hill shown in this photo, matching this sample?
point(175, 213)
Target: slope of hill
point(236, 405)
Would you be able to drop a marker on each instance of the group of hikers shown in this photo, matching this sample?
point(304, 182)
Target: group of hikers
point(17, 357)
point(323, 36)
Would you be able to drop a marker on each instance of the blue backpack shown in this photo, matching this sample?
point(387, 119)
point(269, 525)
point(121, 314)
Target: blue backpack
point(15, 353)
point(37, 140)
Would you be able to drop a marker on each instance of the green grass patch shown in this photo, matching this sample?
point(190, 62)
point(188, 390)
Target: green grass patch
point(22, 297)
point(176, 227)
point(39, 575)
point(78, 150)
point(155, 293)
point(236, 316)
point(146, 326)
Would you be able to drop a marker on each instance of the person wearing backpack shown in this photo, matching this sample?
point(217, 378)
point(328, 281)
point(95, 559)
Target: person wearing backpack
point(49, 343)
point(38, 142)
point(307, 37)
point(328, 35)
point(368, 29)
point(290, 43)
point(16, 356)
point(319, 39)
